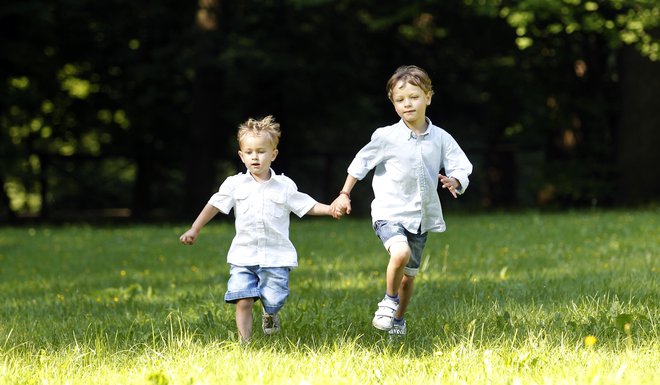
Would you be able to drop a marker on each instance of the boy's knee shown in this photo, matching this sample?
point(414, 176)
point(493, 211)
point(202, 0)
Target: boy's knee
point(245, 304)
point(400, 250)
point(400, 253)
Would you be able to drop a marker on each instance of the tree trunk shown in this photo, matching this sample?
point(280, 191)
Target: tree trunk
point(141, 205)
point(5, 202)
point(639, 130)
point(200, 141)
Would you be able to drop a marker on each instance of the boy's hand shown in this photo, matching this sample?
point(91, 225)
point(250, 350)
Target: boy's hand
point(340, 206)
point(188, 238)
point(451, 184)
point(335, 212)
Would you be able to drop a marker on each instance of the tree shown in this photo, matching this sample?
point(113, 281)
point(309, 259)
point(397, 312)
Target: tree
point(133, 105)
point(614, 53)
point(94, 94)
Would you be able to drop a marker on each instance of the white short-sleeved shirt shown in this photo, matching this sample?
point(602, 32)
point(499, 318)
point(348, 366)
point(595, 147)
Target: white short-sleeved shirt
point(262, 218)
point(405, 181)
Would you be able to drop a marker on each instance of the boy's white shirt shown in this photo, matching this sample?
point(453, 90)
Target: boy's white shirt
point(262, 218)
point(405, 180)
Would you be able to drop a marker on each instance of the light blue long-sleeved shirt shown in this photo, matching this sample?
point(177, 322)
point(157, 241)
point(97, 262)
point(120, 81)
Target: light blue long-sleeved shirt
point(405, 181)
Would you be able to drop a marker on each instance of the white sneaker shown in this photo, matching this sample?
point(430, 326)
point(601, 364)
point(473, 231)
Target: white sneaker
point(398, 329)
point(384, 316)
point(270, 323)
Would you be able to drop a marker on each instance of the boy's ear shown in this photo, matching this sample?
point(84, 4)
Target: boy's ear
point(428, 98)
point(275, 152)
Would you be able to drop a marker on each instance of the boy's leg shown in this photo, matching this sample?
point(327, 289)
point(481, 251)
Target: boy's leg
point(393, 236)
point(401, 284)
point(242, 290)
point(273, 291)
point(399, 257)
point(244, 318)
point(416, 242)
point(405, 294)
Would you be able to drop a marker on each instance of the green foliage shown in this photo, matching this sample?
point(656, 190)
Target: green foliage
point(88, 82)
point(120, 104)
point(509, 298)
point(620, 22)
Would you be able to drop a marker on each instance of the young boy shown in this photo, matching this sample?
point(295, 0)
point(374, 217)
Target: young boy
point(261, 254)
point(407, 158)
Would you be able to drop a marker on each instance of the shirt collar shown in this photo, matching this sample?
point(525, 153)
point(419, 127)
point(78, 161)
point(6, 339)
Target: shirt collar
point(248, 176)
point(411, 134)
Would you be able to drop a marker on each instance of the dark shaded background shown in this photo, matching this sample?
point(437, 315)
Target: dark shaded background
point(129, 109)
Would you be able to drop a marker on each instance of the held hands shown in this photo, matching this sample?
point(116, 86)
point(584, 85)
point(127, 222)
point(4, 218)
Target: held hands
point(189, 237)
point(451, 184)
point(340, 206)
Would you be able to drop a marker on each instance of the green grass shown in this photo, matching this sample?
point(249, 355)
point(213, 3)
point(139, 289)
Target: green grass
point(501, 299)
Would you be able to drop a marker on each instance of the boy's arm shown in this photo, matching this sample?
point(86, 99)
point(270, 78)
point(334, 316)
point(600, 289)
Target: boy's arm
point(320, 209)
point(457, 167)
point(342, 204)
point(207, 213)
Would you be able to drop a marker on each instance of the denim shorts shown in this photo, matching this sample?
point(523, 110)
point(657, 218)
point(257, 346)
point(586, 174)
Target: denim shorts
point(392, 232)
point(269, 284)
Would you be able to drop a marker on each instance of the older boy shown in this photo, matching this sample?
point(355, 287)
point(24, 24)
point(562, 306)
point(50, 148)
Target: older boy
point(407, 158)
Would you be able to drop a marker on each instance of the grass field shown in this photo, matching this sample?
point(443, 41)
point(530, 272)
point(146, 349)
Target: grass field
point(529, 298)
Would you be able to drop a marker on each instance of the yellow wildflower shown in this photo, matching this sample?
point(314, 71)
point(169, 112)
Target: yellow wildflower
point(590, 341)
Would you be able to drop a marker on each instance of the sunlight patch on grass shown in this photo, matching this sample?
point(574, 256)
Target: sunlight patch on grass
point(501, 299)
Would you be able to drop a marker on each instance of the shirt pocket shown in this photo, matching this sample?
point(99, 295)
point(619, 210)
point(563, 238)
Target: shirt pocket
point(277, 205)
point(242, 197)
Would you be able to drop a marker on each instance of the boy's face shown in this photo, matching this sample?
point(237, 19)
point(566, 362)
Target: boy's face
point(257, 153)
point(410, 104)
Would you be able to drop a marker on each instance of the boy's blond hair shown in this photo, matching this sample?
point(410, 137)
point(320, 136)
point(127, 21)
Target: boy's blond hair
point(410, 74)
point(266, 126)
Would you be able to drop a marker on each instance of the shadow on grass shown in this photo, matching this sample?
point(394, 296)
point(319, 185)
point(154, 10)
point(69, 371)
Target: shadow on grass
point(139, 287)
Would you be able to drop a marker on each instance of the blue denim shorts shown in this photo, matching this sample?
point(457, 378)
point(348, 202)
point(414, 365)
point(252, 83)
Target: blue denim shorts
point(392, 232)
point(269, 284)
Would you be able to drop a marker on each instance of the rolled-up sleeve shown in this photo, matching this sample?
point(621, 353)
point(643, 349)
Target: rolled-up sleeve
point(457, 164)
